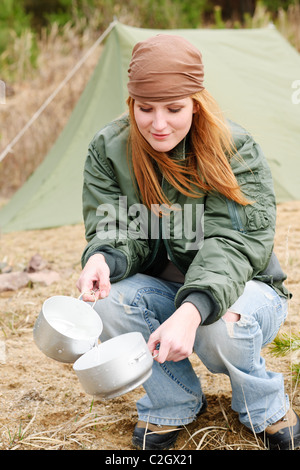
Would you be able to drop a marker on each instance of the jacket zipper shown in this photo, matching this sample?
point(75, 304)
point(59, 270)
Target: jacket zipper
point(165, 242)
point(157, 243)
point(155, 248)
point(235, 216)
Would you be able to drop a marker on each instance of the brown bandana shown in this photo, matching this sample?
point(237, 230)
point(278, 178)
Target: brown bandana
point(165, 67)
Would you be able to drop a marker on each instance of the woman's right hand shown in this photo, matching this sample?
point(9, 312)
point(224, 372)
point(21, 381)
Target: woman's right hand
point(94, 280)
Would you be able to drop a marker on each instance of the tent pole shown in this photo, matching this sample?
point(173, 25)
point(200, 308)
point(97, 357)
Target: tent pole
point(57, 90)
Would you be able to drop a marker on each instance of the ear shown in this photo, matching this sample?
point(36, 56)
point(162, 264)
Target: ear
point(196, 107)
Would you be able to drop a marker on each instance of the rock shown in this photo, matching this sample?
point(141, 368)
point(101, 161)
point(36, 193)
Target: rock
point(37, 263)
point(46, 277)
point(13, 281)
point(19, 279)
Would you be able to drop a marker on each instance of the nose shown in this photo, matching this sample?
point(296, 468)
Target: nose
point(159, 121)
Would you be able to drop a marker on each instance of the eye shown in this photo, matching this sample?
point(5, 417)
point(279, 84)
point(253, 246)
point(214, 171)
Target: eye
point(174, 110)
point(145, 110)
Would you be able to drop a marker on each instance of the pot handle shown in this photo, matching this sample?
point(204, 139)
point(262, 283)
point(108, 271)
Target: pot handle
point(137, 358)
point(140, 357)
point(82, 294)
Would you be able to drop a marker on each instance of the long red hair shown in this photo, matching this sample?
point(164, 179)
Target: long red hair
point(206, 168)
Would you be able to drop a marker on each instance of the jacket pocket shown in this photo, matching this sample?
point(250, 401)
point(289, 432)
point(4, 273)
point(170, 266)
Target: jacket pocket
point(255, 215)
point(257, 218)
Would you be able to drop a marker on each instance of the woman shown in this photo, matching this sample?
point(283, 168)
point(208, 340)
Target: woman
point(180, 215)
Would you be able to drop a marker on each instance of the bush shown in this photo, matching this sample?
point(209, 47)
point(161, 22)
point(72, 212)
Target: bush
point(17, 40)
point(289, 344)
point(22, 21)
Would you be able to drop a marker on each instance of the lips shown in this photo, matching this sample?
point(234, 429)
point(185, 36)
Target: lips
point(160, 136)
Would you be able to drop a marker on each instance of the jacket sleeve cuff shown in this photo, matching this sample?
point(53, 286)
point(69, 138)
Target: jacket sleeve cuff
point(116, 261)
point(206, 305)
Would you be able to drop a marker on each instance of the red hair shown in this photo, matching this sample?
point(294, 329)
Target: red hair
point(206, 168)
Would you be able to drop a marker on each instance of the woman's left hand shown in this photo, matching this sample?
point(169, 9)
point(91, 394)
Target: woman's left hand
point(176, 336)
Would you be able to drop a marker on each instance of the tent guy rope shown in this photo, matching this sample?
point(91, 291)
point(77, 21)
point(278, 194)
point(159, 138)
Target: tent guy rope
point(72, 72)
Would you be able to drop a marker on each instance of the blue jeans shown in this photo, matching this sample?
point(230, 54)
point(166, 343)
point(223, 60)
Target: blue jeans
point(173, 391)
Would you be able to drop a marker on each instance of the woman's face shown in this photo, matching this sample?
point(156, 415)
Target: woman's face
point(164, 124)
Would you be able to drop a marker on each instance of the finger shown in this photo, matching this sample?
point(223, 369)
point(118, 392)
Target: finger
point(153, 346)
point(153, 340)
point(88, 296)
point(158, 349)
point(104, 289)
point(88, 289)
point(91, 285)
point(163, 353)
point(85, 284)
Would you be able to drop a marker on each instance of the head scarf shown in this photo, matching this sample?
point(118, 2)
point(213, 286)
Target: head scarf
point(165, 67)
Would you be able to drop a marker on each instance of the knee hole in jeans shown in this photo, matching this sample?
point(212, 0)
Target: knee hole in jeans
point(231, 317)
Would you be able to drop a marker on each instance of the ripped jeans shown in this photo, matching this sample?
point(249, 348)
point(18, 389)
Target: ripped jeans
point(173, 391)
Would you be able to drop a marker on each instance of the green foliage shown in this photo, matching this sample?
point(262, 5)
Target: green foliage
point(22, 21)
point(18, 14)
point(147, 13)
point(275, 5)
point(285, 343)
point(12, 17)
point(16, 39)
point(218, 17)
point(288, 344)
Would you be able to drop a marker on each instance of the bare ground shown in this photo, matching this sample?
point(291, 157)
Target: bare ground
point(42, 403)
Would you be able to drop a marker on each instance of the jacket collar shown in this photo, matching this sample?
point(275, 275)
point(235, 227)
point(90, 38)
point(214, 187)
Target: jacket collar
point(180, 151)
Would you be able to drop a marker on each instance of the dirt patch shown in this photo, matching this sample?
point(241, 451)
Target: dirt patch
point(42, 403)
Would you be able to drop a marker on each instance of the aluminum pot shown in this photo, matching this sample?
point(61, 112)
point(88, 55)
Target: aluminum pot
point(66, 328)
point(115, 366)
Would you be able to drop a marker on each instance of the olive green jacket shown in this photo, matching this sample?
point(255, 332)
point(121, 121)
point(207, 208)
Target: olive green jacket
point(237, 241)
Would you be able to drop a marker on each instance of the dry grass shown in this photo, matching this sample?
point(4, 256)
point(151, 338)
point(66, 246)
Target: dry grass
point(288, 23)
point(71, 434)
point(81, 433)
point(42, 403)
point(59, 54)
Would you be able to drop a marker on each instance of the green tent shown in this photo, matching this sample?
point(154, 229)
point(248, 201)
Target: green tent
point(250, 72)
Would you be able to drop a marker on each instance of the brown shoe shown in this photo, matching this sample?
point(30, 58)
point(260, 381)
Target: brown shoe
point(150, 436)
point(285, 433)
